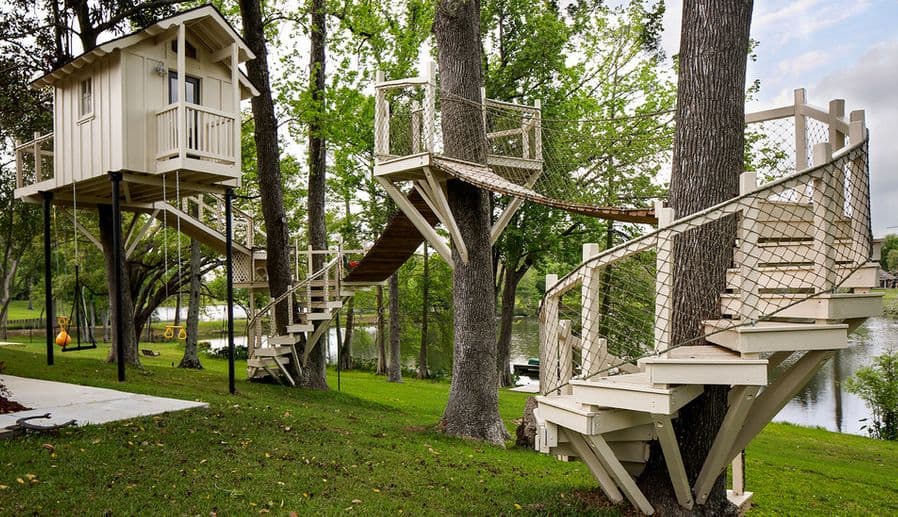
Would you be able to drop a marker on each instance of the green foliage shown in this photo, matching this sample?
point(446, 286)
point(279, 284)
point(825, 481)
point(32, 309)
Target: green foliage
point(878, 386)
point(889, 244)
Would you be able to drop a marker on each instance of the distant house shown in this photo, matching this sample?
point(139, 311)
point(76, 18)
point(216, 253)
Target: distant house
point(887, 280)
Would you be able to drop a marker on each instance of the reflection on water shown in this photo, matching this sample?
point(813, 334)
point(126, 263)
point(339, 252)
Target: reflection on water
point(823, 402)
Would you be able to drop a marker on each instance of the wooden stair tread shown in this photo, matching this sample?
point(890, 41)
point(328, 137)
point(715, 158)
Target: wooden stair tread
point(760, 327)
point(298, 328)
point(262, 362)
point(273, 351)
point(775, 336)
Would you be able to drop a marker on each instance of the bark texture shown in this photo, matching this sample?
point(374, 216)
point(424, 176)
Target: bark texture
point(105, 222)
point(510, 281)
point(379, 338)
point(395, 370)
point(268, 159)
point(708, 158)
point(191, 358)
point(346, 351)
point(473, 406)
point(314, 373)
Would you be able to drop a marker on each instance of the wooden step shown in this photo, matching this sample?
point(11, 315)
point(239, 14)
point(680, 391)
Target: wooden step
point(270, 362)
point(564, 411)
point(316, 316)
point(287, 340)
point(704, 364)
point(635, 392)
point(769, 336)
point(805, 277)
point(831, 307)
point(798, 252)
point(299, 328)
point(796, 230)
point(273, 351)
point(332, 293)
point(332, 304)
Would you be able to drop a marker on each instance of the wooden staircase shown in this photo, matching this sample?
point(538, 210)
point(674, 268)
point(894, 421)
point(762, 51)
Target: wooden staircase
point(801, 279)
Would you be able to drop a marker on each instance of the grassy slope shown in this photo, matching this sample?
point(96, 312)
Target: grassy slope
point(279, 450)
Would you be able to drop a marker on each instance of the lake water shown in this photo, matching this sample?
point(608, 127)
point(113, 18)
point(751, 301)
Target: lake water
point(822, 403)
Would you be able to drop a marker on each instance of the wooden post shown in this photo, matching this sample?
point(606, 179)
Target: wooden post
point(430, 107)
point(38, 175)
point(663, 279)
point(824, 216)
point(549, 365)
point(538, 131)
point(19, 176)
point(235, 127)
point(748, 245)
point(801, 131)
point(416, 128)
point(182, 79)
point(381, 120)
point(860, 191)
point(837, 141)
point(593, 348)
point(739, 474)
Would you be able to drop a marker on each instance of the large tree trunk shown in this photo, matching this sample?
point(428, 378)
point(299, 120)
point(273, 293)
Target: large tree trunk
point(506, 319)
point(346, 351)
point(379, 337)
point(265, 134)
point(708, 158)
point(395, 370)
point(191, 358)
point(315, 373)
point(425, 316)
point(473, 406)
point(9, 274)
point(105, 222)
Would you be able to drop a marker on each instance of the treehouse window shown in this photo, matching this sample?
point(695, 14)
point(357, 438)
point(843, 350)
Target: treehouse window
point(87, 101)
point(189, 50)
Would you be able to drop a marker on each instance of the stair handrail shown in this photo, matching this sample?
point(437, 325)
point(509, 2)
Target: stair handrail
point(299, 285)
point(859, 234)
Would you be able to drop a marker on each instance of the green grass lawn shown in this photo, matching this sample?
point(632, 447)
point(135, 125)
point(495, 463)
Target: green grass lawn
point(18, 310)
point(369, 449)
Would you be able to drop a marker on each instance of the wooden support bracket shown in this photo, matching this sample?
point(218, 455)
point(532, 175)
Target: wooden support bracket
point(741, 400)
point(678, 478)
point(586, 453)
point(619, 474)
point(417, 219)
point(438, 197)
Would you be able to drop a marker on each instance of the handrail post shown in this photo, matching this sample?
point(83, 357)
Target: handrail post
point(748, 244)
point(549, 364)
point(538, 131)
point(824, 216)
point(182, 79)
point(593, 350)
point(860, 191)
point(38, 175)
point(381, 120)
point(663, 279)
point(19, 173)
point(837, 141)
point(430, 112)
point(801, 139)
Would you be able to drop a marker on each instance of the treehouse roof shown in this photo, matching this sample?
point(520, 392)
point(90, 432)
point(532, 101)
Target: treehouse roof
point(207, 27)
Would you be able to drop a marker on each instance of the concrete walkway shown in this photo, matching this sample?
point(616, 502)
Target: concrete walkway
point(84, 404)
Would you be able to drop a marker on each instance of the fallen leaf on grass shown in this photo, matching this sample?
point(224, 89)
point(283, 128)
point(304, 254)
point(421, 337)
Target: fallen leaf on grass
point(518, 507)
point(375, 490)
point(20, 481)
point(356, 501)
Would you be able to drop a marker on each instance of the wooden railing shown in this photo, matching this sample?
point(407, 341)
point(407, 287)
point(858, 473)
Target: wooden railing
point(209, 134)
point(34, 160)
point(839, 229)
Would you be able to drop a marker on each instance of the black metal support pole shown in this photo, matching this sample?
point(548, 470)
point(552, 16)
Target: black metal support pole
point(48, 277)
point(339, 351)
point(116, 178)
point(229, 266)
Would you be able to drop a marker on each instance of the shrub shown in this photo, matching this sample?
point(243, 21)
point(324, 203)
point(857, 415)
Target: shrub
point(878, 386)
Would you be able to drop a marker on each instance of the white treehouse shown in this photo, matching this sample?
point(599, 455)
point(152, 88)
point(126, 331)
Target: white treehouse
point(118, 108)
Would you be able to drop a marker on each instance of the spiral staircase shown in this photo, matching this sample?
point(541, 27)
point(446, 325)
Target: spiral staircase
point(803, 266)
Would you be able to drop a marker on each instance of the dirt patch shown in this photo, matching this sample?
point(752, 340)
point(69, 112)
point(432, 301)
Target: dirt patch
point(10, 406)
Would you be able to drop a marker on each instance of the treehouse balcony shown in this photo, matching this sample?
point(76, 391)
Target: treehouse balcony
point(202, 140)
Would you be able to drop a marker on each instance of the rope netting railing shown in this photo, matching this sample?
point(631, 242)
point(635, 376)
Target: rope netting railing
point(799, 237)
point(575, 165)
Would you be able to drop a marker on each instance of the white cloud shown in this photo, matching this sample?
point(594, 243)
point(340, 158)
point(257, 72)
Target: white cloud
point(869, 84)
point(801, 19)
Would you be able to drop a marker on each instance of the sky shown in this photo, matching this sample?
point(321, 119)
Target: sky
point(836, 50)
